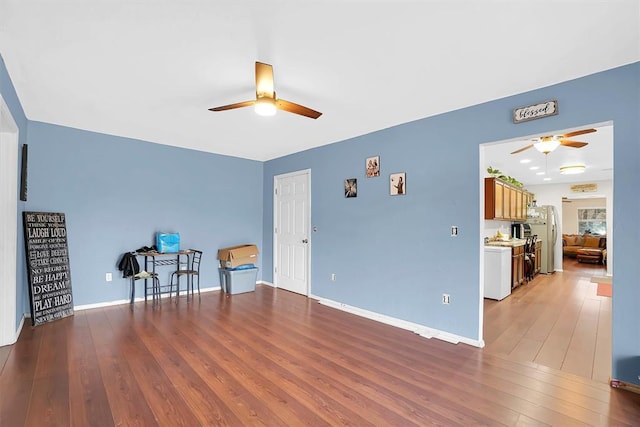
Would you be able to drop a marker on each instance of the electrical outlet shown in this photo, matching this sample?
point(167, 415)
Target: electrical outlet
point(108, 277)
point(454, 231)
point(333, 277)
point(446, 299)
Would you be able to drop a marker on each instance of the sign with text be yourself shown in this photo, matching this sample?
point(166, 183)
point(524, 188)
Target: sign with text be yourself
point(45, 239)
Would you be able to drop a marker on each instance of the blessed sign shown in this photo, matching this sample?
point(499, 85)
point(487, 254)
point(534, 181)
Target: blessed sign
point(45, 239)
point(537, 111)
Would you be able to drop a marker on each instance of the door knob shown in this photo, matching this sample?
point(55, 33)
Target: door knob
point(305, 241)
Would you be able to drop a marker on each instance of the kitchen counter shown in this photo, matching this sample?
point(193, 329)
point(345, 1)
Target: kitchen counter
point(513, 243)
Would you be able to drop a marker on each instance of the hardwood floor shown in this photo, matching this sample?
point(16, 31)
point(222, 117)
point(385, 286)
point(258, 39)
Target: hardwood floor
point(555, 320)
point(274, 358)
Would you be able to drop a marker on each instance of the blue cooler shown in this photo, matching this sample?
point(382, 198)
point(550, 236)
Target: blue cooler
point(168, 242)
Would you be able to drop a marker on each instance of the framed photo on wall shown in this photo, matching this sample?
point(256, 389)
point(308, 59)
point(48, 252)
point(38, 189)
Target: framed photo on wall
point(372, 166)
point(351, 187)
point(398, 184)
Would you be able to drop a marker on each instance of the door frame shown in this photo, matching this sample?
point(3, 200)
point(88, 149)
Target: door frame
point(274, 260)
point(481, 170)
point(9, 225)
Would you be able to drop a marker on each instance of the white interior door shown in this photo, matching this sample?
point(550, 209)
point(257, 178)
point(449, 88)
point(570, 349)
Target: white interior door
point(292, 216)
point(8, 224)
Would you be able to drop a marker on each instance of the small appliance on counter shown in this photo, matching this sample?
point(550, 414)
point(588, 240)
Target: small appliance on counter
point(517, 230)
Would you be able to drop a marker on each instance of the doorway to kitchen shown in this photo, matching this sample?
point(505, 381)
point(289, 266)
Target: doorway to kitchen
point(557, 320)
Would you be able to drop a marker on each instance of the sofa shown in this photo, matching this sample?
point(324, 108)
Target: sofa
point(585, 247)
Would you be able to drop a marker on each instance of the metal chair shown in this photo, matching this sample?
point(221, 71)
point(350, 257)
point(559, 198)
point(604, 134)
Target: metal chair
point(133, 273)
point(192, 271)
point(530, 257)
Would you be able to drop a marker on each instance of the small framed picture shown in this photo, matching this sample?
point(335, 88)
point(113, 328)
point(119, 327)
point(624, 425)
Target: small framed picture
point(351, 187)
point(372, 166)
point(398, 184)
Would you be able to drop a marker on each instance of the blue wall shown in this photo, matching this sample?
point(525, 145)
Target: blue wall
point(118, 192)
point(394, 254)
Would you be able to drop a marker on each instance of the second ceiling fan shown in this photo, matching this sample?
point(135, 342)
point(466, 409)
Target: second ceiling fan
point(546, 144)
point(266, 101)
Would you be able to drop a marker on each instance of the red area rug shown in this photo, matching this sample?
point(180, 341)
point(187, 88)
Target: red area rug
point(604, 289)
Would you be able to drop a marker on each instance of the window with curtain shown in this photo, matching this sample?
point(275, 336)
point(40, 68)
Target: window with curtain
point(592, 221)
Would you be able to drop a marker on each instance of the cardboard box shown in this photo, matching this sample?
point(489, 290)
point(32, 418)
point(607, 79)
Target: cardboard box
point(238, 255)
point(238, 281)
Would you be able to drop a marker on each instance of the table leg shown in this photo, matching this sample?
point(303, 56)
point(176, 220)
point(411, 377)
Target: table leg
point(145, 280)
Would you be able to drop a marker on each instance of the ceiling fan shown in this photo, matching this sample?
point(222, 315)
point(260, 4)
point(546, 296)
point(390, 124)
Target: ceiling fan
point(546, 144)
point(266, 101)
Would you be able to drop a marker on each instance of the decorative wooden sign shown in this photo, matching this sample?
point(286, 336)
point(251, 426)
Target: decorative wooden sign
point(45, 239)
point(537, 111)
point(584, 188)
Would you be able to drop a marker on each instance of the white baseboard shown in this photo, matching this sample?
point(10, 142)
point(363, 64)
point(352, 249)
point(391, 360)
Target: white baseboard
point(421, 330)
point(19, 329)
point(126, 301)
point(102, 304)
point(264, 282)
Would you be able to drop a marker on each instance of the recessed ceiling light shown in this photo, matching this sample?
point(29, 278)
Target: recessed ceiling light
point(534, 168)
point(547, 179)
point(539, 173)
point(525, 161)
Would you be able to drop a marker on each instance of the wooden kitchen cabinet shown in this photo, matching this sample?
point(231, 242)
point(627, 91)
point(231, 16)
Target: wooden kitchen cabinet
point(517, 266)
point(504, 202)
point(519, 205)
point(538, 252)
point(513, 202)
point(493, 199)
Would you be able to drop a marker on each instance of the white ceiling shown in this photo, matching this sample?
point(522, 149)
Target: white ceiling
point(597, 157)
point(150, 69)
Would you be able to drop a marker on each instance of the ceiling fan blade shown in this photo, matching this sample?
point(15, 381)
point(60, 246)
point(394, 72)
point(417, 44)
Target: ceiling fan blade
point(297, 109)
point(264, 80)
point(522, 149)
point(578, 132)
point(232, 106)
point(574, 144)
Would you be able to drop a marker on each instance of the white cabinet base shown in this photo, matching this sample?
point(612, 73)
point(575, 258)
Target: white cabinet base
point(497, 272)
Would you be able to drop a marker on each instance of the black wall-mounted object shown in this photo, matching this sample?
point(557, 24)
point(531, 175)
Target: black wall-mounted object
point(23, 173)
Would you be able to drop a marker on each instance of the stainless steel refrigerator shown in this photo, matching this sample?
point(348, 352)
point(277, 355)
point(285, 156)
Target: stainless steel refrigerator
point(543, 221)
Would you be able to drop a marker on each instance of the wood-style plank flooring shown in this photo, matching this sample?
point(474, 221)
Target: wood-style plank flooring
point(555, 320)
point(273, 358)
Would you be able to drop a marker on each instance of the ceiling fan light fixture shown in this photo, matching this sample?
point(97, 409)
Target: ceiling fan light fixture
point(547, 146)
point(572, 170)
point(265, 106)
